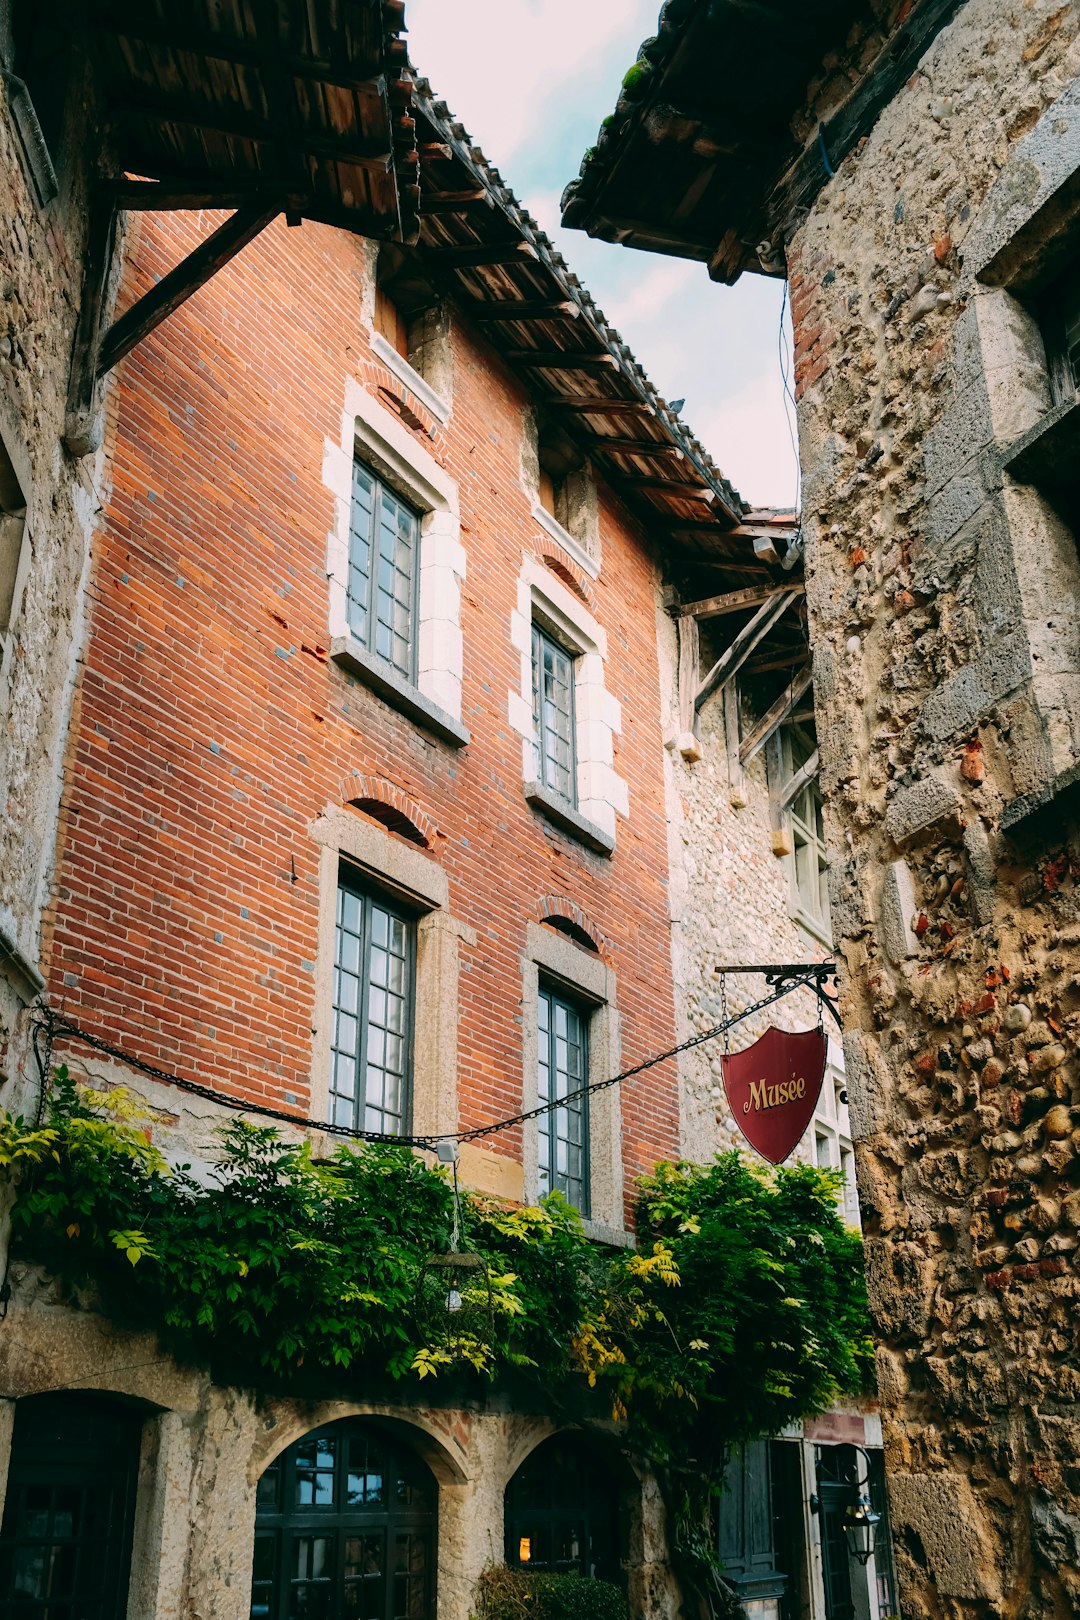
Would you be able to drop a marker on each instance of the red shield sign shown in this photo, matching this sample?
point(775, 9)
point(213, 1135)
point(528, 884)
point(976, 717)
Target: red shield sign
point(773, 1086)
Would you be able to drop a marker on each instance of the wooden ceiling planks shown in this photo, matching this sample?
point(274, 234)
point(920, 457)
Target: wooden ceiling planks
point(309, 103)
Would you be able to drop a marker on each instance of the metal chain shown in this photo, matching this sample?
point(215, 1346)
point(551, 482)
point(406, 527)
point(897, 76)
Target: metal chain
point(724, 1014)
point(55, 1024)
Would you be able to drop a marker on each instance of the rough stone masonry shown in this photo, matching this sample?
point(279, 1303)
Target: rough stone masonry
point(940, 513)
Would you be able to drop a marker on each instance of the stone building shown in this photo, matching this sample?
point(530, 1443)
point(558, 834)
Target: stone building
point(287, 767)
point(280, 759)
point(914, 171)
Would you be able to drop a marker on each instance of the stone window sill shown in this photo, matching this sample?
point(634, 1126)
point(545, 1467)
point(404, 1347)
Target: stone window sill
point(404, 372)
point(562, 537)
point(395, 690)
point(612, 1237)
point(1049, 453)
point(567, 819)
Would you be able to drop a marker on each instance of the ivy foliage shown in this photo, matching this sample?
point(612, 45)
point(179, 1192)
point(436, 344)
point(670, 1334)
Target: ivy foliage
point(518, 1594)
point(742, 1309)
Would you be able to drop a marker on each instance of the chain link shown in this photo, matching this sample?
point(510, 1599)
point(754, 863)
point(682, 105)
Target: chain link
point(54, 1024)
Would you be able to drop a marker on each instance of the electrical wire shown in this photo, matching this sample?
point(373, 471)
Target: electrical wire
point(55, 1025)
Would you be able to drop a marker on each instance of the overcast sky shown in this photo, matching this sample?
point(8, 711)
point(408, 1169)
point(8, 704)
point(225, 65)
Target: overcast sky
point(531, 81)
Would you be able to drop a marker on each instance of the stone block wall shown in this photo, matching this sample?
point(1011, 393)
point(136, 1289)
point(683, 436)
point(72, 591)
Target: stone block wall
point(943, 590)
point(51, 501)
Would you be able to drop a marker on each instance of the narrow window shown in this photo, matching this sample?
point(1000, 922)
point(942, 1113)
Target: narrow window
point(374, 967)
point(384, 556)
point(811, 865)
point(564, 1068)
point(553, 714)
point(12, 540)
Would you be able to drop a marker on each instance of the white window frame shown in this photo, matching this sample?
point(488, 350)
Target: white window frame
point(384, 444)
point(795, 826)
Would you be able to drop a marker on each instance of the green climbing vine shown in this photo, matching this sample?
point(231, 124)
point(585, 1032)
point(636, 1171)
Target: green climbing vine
point(741, 1309)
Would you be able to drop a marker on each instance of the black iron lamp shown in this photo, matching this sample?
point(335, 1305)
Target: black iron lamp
point(860, 1527)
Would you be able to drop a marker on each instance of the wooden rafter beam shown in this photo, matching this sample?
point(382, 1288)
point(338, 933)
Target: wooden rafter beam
point(714, 607)
point(639, 447)
point(527, 309)
point(731, 661)
point(169, 109)
point(601, 404)
point(463, 256)
point(701, 493)
point(218, 47)
point(561, 359)
point(774, 716)
point(160, 196)
point(186, 278)
point(456, 202)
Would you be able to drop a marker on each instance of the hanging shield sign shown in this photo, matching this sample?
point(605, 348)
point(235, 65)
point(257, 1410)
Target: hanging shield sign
point(773, 1086)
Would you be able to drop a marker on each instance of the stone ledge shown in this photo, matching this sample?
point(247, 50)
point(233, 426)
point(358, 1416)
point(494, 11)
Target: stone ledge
point(397, 691)
point(1017, 810)
point(564, 816)
point(1047, 453)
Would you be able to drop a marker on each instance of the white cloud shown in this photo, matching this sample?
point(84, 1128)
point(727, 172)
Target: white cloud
point(531, 81)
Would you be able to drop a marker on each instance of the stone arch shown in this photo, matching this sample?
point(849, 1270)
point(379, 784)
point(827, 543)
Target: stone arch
point(560, 912)
point(614, 1511)
point(562, 565)
point(426, 1434)
point(374, 796)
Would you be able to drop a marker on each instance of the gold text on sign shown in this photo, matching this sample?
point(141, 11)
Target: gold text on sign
point(763, 1096)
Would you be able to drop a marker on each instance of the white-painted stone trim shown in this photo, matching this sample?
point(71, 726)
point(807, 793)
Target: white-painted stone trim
point(562, 537)
point(558, 958)
point(602, 793)
point(404, 372)
point(387, 446)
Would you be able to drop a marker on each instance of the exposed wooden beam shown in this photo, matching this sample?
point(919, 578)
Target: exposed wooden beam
point(168, 109)
point(731, 661)
point(639, 447)
point(802, 778)
point(187, 277)
point(737, 795)
point(714, 607)
point(465, 255)
point(700, 493)
point(776, 714)
point(147, 30)
point(435, 151)
point(527, 309)
point(763, 531)
point(455, 202)
point(601, 404)
point(763, 666)
point(689, 665)
point(562, 359)
point(160, 196)
point(80, 428)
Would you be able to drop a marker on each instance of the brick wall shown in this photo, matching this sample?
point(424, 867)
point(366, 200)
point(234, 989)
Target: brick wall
point(213, 730)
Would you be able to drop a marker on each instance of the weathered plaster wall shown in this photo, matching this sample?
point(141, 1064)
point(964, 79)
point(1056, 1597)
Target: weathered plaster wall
point(40, 286)
point(943, 596)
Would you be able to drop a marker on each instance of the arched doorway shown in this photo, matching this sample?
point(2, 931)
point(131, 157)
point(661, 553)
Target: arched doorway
point(562, 1511)
point(345, 1529)
point(65, 1539)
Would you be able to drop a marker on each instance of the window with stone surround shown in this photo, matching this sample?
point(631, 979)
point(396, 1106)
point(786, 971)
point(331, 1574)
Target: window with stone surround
point(384, 561)
point(395, 565)
point(386, 979)
point(563, 712)
point(411, 331)
point(563, 1069)
point(571, 1038)
point(562, 490)
point(372, 1039)
point(553, 714)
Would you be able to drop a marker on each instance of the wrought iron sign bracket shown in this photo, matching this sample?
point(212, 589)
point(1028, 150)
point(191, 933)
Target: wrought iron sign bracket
point(788, 976)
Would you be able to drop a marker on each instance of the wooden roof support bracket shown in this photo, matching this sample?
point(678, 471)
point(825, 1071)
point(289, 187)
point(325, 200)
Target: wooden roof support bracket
point(776, 715)
point(96, 352)
point(730, 662)
point(186, 278)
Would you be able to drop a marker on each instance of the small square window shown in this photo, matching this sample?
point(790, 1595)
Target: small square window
point(810, 864)
point(1060, 321)
point(563, 1133)
point(553, 715)
point(372, 1034)
point(384, 559)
